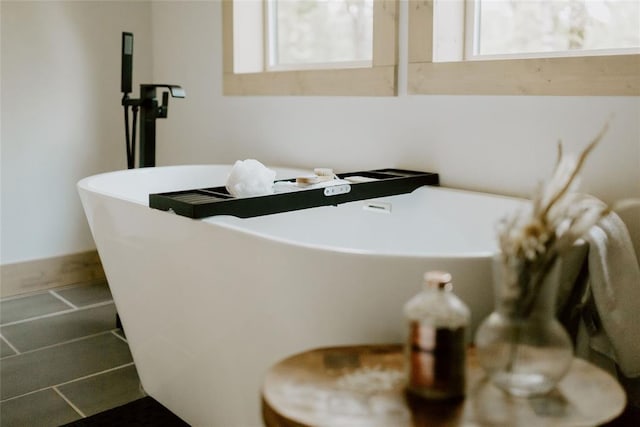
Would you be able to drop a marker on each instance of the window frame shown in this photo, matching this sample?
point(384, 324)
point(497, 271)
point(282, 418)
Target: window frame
point(380, 79)
point(606, 75)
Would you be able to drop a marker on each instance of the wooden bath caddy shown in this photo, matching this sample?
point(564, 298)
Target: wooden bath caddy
point(204, 202)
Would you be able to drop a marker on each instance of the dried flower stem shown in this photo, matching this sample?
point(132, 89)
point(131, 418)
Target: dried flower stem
point(578, 167)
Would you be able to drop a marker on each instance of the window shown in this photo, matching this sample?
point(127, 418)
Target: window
point(310, 47)
point(321, 34)
point(538, 47)
point(536, 28)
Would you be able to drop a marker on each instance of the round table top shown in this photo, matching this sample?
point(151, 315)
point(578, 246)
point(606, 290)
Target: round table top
point(364, 386)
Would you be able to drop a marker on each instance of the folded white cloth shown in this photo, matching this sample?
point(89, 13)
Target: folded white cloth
point(614, 279)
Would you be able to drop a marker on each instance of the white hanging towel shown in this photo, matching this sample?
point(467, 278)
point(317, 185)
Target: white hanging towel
point(614, 276)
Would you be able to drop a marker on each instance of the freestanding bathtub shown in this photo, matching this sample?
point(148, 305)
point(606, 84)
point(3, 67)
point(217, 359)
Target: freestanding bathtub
point(209, 305)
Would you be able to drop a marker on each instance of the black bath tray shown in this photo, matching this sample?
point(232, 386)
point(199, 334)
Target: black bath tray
point(204, 202)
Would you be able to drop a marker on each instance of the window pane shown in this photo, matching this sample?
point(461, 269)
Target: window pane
point(320, 31)
point(527, 26)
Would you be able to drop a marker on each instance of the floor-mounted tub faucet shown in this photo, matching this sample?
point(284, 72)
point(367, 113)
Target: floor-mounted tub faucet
point(148, 106)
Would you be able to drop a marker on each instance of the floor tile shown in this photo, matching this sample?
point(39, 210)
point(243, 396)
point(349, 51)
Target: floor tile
point(42, 409)
point(31, 306)
point(5, 350)
point(56, 329)
point(120, 333)
point(36, 370)
point(105, 391)
point(81, 296)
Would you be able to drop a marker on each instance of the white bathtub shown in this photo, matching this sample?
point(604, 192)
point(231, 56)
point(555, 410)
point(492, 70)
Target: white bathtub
point(208, 305)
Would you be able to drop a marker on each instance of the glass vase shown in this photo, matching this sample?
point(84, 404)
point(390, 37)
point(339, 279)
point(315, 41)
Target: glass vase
point(521, 345)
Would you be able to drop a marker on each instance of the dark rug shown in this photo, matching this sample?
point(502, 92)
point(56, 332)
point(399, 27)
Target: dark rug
point(139, 413)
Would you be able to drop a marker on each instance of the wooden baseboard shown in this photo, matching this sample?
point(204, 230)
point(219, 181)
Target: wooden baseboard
point(41, 274)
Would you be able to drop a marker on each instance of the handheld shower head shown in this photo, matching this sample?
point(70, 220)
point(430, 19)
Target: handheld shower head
point(127, 63)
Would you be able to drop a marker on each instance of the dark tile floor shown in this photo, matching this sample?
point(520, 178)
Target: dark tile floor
point(62, 358)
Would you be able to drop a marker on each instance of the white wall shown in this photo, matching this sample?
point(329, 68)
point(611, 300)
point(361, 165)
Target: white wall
point(61, 115)
point(62, 120)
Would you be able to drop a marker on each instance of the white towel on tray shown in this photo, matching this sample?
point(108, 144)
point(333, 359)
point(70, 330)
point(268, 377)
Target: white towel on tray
point(614, 278)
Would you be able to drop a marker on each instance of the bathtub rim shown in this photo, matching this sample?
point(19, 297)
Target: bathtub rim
point(221, 221)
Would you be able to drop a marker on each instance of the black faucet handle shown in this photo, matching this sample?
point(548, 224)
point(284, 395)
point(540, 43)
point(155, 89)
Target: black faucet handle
point(163, 109)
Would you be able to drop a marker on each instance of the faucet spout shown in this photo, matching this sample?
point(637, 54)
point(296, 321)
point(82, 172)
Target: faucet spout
point(176, 91)
point(148, 91)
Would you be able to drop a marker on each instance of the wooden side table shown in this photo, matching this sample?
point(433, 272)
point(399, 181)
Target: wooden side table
point(363, 386)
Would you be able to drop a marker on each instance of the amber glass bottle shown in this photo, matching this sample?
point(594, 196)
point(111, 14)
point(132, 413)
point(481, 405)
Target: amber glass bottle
point(436, 344)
